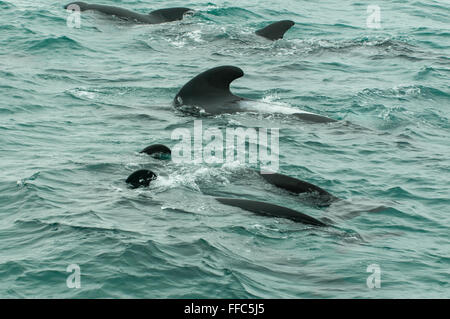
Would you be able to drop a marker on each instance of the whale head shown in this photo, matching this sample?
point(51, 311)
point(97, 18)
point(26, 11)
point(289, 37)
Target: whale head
point(77, 6)
point(158, 151)
point(140, 178)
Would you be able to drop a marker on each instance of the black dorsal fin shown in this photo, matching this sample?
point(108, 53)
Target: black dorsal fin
point(209, 87)
point(275, 30)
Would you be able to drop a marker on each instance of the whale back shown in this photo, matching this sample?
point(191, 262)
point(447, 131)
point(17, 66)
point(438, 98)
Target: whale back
point(275, 30)
point(270, 210)
point(154, 17)
point(110, 10)
point(210, 89)
point(168, 14)
point(297, 186)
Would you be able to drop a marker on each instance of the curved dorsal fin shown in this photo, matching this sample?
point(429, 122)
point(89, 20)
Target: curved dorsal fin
point(210, 86)
point(275, 30)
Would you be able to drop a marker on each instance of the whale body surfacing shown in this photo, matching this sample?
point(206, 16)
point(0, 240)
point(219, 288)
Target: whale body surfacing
point(271, 210)
point(143, 178)
point(158, 151)
point(210, 91)
point(154, 17)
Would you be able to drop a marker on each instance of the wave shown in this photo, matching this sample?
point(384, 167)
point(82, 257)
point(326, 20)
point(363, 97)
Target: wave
point(54, 44)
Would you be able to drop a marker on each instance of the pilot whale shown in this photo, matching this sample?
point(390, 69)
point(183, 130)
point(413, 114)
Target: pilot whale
point(319, 196)
point(270, 210)
point(154, 17)
point(145, 177)
point(158, 151)
point(140, 178)
point(276, 30)
point(210, 91)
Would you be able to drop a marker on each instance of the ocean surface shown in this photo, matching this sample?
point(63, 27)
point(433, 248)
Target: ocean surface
point(78, 104)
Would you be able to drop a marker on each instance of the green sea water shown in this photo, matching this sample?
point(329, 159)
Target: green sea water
point(78, 104)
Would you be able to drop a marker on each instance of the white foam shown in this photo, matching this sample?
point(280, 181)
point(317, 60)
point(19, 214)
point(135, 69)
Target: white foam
point(84, 94)
point(196, 35)
point(264, 107)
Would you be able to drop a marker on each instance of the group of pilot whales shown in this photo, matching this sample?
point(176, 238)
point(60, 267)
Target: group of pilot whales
point(321, 197)
point(210, 91)
point(274, 31)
